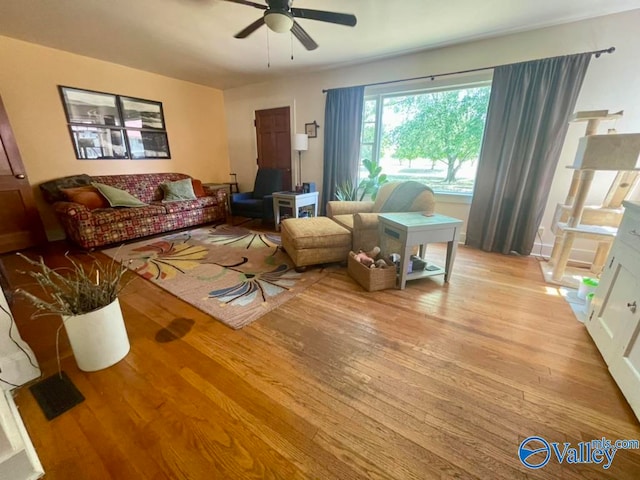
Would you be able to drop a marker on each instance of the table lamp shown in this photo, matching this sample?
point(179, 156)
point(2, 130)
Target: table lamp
point(300, 144)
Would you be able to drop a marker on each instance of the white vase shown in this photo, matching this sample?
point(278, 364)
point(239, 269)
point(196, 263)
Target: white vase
point(99, 338)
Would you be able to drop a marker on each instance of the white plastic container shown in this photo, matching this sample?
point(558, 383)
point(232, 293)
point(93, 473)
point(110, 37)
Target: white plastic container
point(587, 286)
point(588, 300)
point(99, 338)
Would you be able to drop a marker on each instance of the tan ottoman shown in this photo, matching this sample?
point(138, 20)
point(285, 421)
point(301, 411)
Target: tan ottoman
point(312, 241)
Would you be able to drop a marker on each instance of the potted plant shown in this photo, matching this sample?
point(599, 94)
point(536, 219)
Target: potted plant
point(374, 180)
point(87, 301)
point(348, 190)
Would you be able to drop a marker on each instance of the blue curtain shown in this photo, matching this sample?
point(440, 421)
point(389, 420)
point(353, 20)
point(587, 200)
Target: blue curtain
point(343, 123)
point(527, 122)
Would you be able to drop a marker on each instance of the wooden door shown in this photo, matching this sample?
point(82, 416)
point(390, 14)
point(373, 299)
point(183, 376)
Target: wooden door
point(20, 224)
point(273, 135)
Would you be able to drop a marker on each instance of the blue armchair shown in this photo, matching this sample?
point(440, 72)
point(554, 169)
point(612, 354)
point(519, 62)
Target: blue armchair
point(259, 202)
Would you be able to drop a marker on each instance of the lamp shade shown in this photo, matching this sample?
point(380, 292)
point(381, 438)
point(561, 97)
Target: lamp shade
point(279, 22)
point(301, 142)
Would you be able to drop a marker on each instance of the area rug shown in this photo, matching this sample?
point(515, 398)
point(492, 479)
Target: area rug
point(232, 273)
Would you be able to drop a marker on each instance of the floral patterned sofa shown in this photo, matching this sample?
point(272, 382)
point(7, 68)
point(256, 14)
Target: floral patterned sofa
point(104, 226)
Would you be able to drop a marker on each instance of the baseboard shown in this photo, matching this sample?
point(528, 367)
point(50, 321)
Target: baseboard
point(577, 257)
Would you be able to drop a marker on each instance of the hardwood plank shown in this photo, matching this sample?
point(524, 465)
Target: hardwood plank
point(434, 381)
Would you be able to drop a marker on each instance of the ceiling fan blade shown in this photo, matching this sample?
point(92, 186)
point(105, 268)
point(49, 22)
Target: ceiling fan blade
point(250, 29)
point(322, 16)
point(246, 2)
point(303, 36)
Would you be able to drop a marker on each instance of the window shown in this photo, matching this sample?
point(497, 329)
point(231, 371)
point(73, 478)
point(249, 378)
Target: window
point(431, 136)
point(107, 126)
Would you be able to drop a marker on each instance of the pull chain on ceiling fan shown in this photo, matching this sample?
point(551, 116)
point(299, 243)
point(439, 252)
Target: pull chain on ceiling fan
point(280, 17)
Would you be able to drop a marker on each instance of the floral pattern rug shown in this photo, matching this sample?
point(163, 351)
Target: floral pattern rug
point(232, 273)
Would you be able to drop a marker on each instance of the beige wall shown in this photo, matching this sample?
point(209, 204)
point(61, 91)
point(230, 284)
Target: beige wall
point(29, 76)
point(612, 82)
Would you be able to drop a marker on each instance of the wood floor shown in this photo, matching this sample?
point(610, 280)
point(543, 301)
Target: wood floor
point(430, 382)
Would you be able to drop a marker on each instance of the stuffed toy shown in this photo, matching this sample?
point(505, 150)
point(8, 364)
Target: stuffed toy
point(368, 258)
point(364, 259)
point(380, 263)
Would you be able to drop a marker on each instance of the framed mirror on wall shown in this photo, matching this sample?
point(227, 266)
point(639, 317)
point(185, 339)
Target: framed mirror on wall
point(108, 126)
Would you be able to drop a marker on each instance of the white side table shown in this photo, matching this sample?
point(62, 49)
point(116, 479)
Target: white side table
point(417, 229)
point(294, 201)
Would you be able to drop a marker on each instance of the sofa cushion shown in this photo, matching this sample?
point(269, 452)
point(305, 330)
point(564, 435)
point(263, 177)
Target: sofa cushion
point(186, 205)
point(209, 202)
point(117, 197)
point(407, 196)
point(143, 186)
point(178, 190)
point(114, 215)
point(198, 189)
point(249, 205)
point(345, 221)
point(88, 196)
point(51, 190)
point(181, 206)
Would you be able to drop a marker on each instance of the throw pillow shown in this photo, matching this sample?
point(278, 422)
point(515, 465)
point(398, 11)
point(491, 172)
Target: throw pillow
point(88, 196)
point(52, 190)
point(178, 190)
point(117, 197)
point(197, 188)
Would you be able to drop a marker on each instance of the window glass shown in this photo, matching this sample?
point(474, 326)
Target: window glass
point(433, 137)
point(368, 132)
point(366, 152)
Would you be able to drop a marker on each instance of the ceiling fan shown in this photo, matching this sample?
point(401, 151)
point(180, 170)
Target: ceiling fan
point(280, 17)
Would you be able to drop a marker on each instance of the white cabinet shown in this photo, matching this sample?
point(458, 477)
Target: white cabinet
point(18, 459)
point(614, 318)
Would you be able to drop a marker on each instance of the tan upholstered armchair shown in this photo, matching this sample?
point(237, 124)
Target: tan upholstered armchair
point(361, 218)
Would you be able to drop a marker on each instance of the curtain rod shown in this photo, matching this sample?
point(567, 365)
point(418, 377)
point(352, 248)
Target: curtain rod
point(597, 53)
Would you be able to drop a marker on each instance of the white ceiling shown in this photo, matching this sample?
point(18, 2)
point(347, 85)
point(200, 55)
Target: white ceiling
point(193, 39)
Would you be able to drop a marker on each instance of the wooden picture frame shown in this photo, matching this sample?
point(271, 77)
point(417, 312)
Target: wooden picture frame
point(311, 129)
point(109, 126)
point(88, 107)
point(145, 144)
point(98, 143)
point(140, 113)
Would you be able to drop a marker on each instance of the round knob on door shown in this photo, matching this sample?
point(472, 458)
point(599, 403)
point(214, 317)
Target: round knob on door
point(632, 306)
point(20, 176)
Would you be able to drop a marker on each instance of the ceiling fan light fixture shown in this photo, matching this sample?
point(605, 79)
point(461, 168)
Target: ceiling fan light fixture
point(279, 22)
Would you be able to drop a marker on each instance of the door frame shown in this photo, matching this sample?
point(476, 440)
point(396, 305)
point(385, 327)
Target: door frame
point(36, 234)
point(266, 105)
